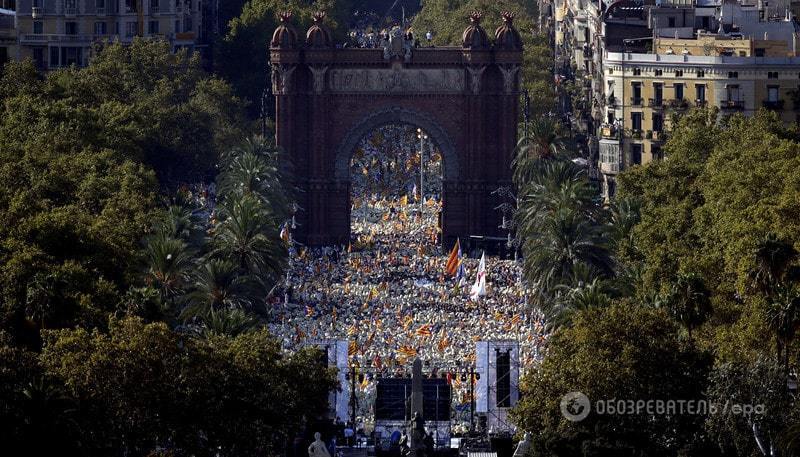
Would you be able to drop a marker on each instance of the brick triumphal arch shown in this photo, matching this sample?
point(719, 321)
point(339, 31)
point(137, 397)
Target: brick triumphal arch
point(328, 98)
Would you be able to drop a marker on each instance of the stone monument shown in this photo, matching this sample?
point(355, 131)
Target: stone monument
point(317, 448)
point(417, 425)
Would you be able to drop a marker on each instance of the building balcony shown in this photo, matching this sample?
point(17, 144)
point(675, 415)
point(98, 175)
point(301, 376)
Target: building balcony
point(658, 136)
point(655, 102)
point(679, 104)
point(37, 12)
point(609, 131)
point(774, 105)
point(609, 168)
point(52, 38)
point(99, 11)
point(700, 103)
point(636, 134)
point(70, 12)
point(636, 101)
point(732, 104)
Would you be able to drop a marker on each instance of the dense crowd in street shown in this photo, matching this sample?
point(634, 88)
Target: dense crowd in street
point(387, 292)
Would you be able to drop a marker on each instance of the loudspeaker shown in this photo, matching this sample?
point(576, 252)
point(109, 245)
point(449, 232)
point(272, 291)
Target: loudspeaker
point(497, 388)
point(335, 356)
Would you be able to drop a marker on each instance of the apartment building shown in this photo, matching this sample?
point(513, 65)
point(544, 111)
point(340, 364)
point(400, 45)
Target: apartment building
point(59, 33)
point(640, 62)
point(8, 35)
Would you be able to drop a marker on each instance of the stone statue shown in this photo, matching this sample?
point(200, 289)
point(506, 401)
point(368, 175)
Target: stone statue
point(318, 448)
point(398, 46)
point(523, 446)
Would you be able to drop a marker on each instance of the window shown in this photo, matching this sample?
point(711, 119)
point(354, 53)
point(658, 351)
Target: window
point(636, 99)
point(658, 93)
point(760, 52)
point(100, 4)
point(637, 72)
point(701, 73)
point(700, 93)
point(772, 75)
point(54, 52)
point(611, 72)
point(38, 57)
point(71, 28)
point(658, 122)
point(678, 73)
point(656, 152)
point(733, 93)
point(154, 6)
point(71, 56)
point(3, 56)
point(733, 74)
point(187, 24)
point(153, 27)
point(671, 22)
point(658, 72)
point(772, 93)
point(130, 28)
point(130, 6)
point(100, 28)
point(636, 154)
point(38, 27)
point(636, 121)
point(678, 91)
point(177, 26)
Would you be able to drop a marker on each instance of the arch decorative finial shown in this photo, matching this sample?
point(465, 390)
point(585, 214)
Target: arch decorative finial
point(285, 16)
point(318, 17)
point(475, 17)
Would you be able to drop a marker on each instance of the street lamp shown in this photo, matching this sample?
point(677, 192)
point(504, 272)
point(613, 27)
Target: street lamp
point(422, 137)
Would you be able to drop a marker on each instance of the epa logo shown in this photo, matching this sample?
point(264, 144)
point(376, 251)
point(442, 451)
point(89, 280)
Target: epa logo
point(575, 406)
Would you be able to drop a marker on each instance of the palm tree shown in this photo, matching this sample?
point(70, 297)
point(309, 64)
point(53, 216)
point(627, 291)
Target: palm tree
point(556, 184)
point(578, 297)
point(774, 260)
point(783, 318)
point(541, 141)
point(775, 277)
point(168, 263)
point(227, 322)
point(565, 240)
point(689, 301)
point(248, 236)
point(180, 222)
point(217, 284)
point(625, 215)
point(258, 168)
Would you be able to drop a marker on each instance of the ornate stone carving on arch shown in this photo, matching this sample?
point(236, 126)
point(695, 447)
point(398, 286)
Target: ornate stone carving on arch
point(418, 119)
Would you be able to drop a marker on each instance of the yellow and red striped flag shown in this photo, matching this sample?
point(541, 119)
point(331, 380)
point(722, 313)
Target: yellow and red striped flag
point(454, 260)
point(424, 330)
point(407, 351)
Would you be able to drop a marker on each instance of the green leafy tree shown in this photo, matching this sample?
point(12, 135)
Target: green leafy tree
point(621, 352)
point(142, 386)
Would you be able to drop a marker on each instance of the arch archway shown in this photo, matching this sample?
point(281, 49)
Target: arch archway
point(396, 115)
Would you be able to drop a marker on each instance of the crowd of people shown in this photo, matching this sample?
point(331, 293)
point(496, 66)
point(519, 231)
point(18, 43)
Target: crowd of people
point(387, 293)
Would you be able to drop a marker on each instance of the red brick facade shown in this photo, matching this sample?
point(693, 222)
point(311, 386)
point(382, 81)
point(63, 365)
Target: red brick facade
point(328, 99)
